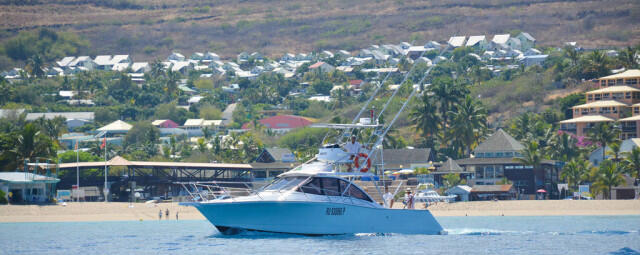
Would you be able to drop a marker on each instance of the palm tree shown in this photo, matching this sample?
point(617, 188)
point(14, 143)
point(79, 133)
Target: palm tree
point(563, 147)
point(597, 63)
point(627, 58)
point(615, 151)
point(31, 143)
point(36, 65)
point(632, 161)
point(425, 116)
point(522, 126)
point(447, 94)
point(610, 175)
point(603, 134)
point(172, 82)
point(469, 122)
point(572, 54)
point(574, 171)
point(531, 155)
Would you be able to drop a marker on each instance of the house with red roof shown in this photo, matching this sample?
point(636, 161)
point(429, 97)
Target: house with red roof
point(356, 84)
point(164, 124)
point(282, 123)
point(321, 67)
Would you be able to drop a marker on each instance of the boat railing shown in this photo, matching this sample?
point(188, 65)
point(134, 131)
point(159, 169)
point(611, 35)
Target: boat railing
point(206, 191)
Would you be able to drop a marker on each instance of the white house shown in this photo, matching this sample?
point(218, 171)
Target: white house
point(478, 42)
point(64, 62)
point(321, 67)
point(526, 41)
point(211, 56)
point(83, 61)
point(73, 119)
point(456, 41)
point(433, 45)
point(499, 42)
point(242, 57)
point(103, 62)
point(175, 56)
point(140, 67)
point(197, 56)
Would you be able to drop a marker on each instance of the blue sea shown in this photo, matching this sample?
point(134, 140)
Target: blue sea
point(467, 235)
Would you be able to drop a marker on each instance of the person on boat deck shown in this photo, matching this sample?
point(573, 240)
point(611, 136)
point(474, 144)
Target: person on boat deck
point(408, 199)
point(388, 197)
point(353, 148)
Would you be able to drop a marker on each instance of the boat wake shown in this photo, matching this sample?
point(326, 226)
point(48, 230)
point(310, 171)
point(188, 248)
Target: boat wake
point(481, 232)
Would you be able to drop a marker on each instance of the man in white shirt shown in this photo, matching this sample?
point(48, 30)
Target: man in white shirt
point(352, 148)
point(388, 198)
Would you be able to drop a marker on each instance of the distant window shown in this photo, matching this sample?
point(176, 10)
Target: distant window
point(282, 125)
point(499, 154)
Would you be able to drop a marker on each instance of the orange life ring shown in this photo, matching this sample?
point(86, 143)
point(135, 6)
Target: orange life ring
point(356, 161)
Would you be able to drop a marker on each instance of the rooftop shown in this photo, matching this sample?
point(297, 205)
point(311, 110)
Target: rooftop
point(491, 188)
point(633, 73)
point(602, 103)
point(22, 177)
point(117, 125)
point(499, 141)
point(473, 40)
point(588, 118)
point(614, 89)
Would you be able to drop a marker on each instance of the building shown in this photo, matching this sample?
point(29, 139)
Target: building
point(491, 192)
point(27, 187)
point(456, 41)
point(448, 167)
point(478, 42)
point(321, 67)
point(272, 162)
point(116, 127)
point(462, 192)
point(495, 160)
point(283, 123)
point(195, 127)
point(627, 78)
point(73, 119)
point(617, 99)
point(397, 159)
point(164, 124)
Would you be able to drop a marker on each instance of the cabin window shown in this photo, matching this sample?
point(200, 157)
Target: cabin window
point(312, 187)
point(331, 186)
point(285, 183)
point(357, 193)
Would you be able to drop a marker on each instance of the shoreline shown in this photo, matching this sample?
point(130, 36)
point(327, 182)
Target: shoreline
point(120, 211)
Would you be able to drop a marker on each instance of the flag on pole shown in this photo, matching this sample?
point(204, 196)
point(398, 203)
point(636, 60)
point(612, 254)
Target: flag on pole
point(104, 142)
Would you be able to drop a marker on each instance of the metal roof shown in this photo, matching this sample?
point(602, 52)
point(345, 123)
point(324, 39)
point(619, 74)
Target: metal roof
point(491, 188)
point(633, 73)
point(614, 89)
point(601, 103)
point(22, 177)
point(473, 40)
point(499, 141)
point(117, 125)
point(66, 115)
point(587, 118)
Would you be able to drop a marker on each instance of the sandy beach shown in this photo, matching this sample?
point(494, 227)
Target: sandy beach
point(99, 211)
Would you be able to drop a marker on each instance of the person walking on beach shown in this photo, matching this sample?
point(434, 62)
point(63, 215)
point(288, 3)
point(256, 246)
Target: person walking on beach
point(388, 197)
point(160, 214)
point(176, 215)
point(167, 214)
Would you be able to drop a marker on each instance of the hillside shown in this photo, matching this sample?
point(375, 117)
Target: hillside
point(147, 29)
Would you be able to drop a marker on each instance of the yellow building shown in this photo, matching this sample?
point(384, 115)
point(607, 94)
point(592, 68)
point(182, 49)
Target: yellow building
point(617, 99)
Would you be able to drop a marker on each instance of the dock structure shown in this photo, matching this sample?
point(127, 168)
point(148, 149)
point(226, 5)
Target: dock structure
point(159, 178)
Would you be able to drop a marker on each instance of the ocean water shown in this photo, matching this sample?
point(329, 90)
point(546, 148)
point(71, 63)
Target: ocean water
point(467, 235)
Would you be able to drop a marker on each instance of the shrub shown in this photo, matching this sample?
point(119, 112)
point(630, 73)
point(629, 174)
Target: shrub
point(3, 199)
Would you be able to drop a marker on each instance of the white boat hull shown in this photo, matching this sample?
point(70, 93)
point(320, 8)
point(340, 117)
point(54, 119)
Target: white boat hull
point(315, 218)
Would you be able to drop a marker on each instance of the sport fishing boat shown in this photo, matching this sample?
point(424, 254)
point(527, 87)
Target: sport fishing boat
point(319, 197)
point(313, 199)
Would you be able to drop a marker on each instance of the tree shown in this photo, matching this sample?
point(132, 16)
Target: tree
point(451, 180)
point(142, 133)
point(32, 144)
point(632, 161)
point(609, 175)
point(563, 147)
point(469, 123)
point(425, 116)
point(447, 94)
point(615, 151)
point(322, 87)
point(627, 58)
point(531, 155)
point(603, 134)
point(36, 66)
point(574, 171)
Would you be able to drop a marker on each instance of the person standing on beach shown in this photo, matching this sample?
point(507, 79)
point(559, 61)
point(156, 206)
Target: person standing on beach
point(160, 214)
point(167, 214)
point(409, 200)
point(176, 215)
point(388, 197)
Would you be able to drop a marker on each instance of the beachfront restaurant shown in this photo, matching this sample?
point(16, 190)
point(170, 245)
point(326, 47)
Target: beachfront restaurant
point(24, 187)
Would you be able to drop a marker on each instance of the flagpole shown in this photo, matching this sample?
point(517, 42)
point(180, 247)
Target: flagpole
point(106, 190)
point(77, 171)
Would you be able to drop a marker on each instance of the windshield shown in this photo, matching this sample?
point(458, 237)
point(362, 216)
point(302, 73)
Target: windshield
point(285, 183)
